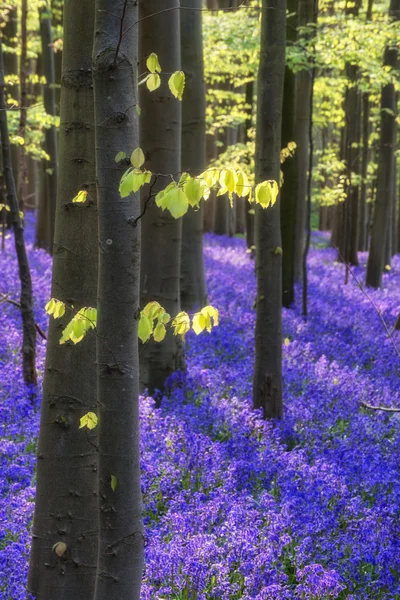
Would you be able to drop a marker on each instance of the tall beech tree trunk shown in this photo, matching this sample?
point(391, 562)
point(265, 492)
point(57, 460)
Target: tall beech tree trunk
point(66, 496)
point(49, 97)
point(26, 300)
point(349, 210)
point(267, 390)
point(193, 280)
point(160, 138)
point(120, 558)
point(222, 205)
point(302, 122)
point(288, 192)
point(386, 171)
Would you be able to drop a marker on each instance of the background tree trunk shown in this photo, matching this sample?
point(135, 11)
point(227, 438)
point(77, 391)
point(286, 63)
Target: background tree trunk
point(302, 121)
point(385, 177)
point(193, 281)
point(66, 497)
point(289, 168)
point(26, 300)
point(267, 390)
point(49, 98)
point(160, 138)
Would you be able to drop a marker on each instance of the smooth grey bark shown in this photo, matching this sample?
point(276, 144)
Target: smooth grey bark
point(120, 549)
point(160, 139)
point(66, 496)
point(386, 171)
point(288, 194)
point(26, 299)
point(23, 105)
point(49, 190)
point(267, 388)
point(193, 280)
point(303, 115)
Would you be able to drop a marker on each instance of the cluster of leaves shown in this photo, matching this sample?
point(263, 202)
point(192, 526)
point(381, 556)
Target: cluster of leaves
point(152, 79)
point(84, 320)
point(189, 191)
point(153, 321)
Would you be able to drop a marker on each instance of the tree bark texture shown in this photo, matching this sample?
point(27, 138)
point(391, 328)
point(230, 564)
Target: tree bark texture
point(66, 496)
point(303, 87)
point(386, 171)
point(160, 138)
point(267, 390)
point(120, 557)
point(288, 192)
point(49, 98)
point(26, 300)
point(193, 280)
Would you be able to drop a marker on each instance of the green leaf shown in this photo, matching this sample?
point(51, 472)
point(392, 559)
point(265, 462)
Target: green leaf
point(89, 420)
point(199, 323)
point(137, 158)
point(181, 324)
point(126, 183)
point(113, 483)
point(159, 332)
point(145, 328)
point(120, 156)
point(193, 191)
point(55, 307)
point(80, 197)
point(153, 82)
point(267, 193)
point(177, 202)
point(152, 63)
point(153, 309)
point(176, 84)
point(138, 179)
point(138, 110)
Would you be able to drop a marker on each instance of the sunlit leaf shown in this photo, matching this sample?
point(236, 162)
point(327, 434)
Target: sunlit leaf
point(80, 197)
point(153, 82)
point(176, 84)
point(89, 420)
point(152, 63)
point(137, 158)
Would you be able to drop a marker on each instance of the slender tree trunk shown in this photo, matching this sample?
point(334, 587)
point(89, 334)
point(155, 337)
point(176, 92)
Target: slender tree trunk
point(193, 281)
point(66, 491)
point(289, 168)
point(267, 390)
point(26, 300)
point(10, 33)
point(249, 208)
point(222, 204)
point(366, 154)
point(120, 559)
point(209, 206)
point(160, 138)
point(49, 97)
point(385, 177)
point(303, 116)
point(23, 74)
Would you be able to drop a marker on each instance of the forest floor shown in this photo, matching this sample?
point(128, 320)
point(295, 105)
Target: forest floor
point(234, 507)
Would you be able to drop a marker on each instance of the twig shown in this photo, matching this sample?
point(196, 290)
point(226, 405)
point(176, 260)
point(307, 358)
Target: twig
point(121, 33)
point(384, 408)
point(6, 299)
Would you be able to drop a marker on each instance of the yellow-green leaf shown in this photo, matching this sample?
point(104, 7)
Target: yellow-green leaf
point(120, 156)
point(125, 185)
point(137, 158)
point(80, 197)
point(159, 332)
point(181, 324)
point(153, 309)
point(113, 483)
point(193, 191)
point(153, 82)
point(145, 328)
point(89, 420)
point(176, 84)
point(152, 63)
point(199, 323)
point(55, 307)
